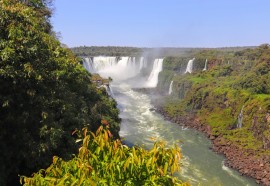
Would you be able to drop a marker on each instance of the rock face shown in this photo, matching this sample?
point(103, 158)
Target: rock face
point(245, 161)
point(152, 109)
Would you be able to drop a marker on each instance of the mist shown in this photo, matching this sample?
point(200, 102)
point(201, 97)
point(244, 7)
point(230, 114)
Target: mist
point(138, 72)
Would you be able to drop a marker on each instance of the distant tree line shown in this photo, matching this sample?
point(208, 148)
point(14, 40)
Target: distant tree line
point(154, 52)
point(106, 51)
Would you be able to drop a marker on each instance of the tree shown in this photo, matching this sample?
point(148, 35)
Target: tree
point(45, 93)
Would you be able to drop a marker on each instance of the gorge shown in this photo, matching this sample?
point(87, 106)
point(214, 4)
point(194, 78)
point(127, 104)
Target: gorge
point(142, 115)
point(142, 125)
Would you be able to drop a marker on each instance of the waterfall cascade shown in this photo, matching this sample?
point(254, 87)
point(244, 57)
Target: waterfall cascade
point(88, 64)
point(170, 89)
point(240, 118)
point(118, 68)
point(152, 80)
point(190, 66)
point(141, 63)
point(123, 68)
point(111, 90)
point(205, 65)
point(101, 62)
point(107, 88)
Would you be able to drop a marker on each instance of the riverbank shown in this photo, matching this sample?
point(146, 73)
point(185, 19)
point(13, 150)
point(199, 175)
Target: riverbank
point(240, 159)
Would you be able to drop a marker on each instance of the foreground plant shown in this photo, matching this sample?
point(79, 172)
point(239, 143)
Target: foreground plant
point(104, 161)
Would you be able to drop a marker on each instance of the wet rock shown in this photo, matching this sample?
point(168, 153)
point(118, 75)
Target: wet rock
point(212, 137)
point(152, 109)
point(265, 181)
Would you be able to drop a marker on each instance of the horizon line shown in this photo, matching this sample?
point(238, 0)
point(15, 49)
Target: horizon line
point(172, 47)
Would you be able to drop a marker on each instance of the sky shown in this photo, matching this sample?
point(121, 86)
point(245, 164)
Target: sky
point(162, 23)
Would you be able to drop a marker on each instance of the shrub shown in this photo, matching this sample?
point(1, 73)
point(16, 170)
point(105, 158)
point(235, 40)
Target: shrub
point(104, 161)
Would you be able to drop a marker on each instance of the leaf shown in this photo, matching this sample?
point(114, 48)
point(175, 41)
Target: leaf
point(44, 115)
point(6, 103)
point(126, 163)
point(165, 168)
point(78, 140)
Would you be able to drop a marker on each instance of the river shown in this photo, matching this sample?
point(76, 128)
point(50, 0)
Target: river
point(200, 165)
point(140, 125)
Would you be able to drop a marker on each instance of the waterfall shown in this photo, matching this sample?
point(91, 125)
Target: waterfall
point(134, 65)
point(102, 62)
point(152, 80)
point(240, 118)
point(111, 90)
point(117, 68)
point(123, 62)
point(108, 89)
point(141, 63)
point(144, 63)
point(205, 65)
point(170, 89)
point(190, 66)
point(124, 69)
point(88, 65)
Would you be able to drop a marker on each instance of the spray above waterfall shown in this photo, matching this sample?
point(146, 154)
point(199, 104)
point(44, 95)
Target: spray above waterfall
point(190, 66)
point(115, 67)
point(141, 63)
point(124, 69)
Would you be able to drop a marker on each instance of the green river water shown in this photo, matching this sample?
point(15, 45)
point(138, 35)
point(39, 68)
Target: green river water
point(200, 165)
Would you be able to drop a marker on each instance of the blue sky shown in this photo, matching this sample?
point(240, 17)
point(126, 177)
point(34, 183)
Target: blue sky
point(163, 23)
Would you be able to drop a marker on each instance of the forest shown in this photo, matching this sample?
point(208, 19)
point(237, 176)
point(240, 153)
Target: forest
point(45, 93)
point(47, 98)
point(156, 52)
point(107, 51)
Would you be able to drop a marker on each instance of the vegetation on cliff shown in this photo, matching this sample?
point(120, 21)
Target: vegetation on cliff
point(45, 93)
point(232, 96)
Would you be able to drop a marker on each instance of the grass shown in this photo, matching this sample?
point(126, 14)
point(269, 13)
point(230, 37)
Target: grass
point(197, 80)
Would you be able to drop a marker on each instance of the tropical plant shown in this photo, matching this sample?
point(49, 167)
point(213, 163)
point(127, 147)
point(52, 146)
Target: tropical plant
point(104, 161)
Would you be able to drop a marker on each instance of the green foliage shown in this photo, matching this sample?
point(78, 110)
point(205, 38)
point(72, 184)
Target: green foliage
point(103, 161)
point(197, 80)
point(107, 51)
point(45, 93)
point(154, 52)
point(174, 107)
point(233, 80)
point(257, 81)
point(177, 64)
point(164, 77)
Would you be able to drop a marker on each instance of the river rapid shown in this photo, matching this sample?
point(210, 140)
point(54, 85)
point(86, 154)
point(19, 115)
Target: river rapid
point(200, 165)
